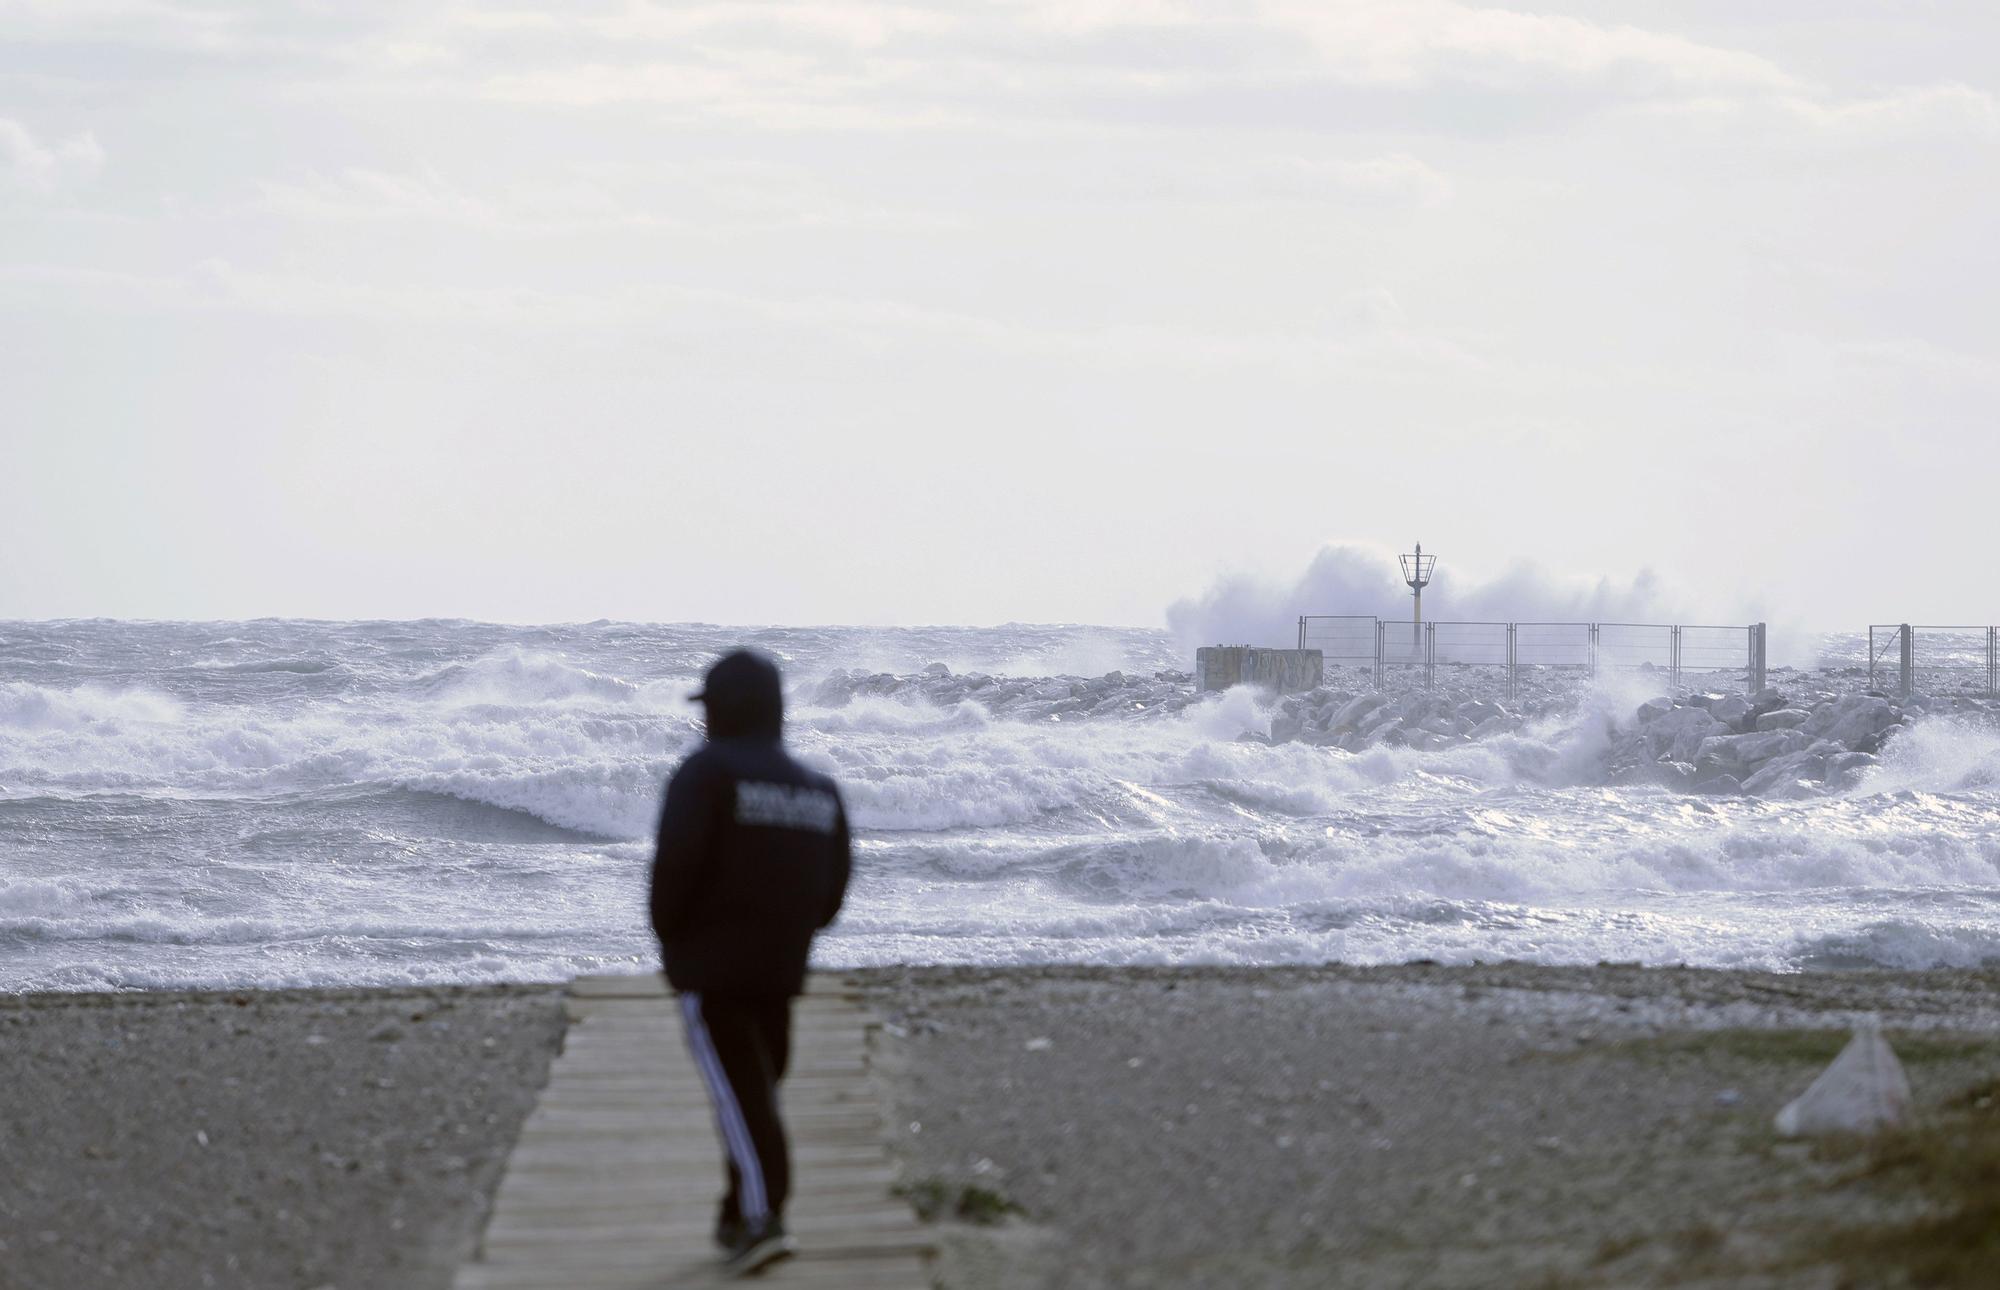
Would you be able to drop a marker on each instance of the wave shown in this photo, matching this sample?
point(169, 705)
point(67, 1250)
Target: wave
point(1117, 817)
point(523, 677)
point(258, 667)
point(1512, 856)
point(907, 765)
point(1938, 755)
point(617, 803)
point(1016, 698)
point(35, 708)
point(1911, 944)
point(50, 912)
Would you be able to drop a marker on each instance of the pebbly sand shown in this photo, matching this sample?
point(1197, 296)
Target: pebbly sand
point(348, 1139)
point(1288, 1127)
point(1405, 1126)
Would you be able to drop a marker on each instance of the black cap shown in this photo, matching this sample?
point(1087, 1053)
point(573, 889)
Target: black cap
point(744, 694)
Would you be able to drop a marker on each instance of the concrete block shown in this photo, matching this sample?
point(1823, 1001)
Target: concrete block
point(1288, 671)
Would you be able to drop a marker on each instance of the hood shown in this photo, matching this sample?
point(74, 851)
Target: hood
point(744, 697)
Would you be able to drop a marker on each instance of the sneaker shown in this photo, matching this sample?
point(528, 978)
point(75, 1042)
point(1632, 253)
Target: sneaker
point(728, 1233)
point(758, 1246)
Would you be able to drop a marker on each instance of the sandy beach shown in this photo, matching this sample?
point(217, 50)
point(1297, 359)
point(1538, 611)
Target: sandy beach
point(1423, 1126)
point(348, 1139)
point(1188, 1127)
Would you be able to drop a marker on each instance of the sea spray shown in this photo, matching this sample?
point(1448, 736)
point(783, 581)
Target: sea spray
point(287, 803)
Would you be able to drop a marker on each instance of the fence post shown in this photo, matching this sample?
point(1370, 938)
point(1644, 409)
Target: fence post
point(1871, 659)
point(1593, 651)
point(1302, 631)
point(1430, 655)
point(1674, 655)
point(1907, 664)
point(1992, 662)
point(1511, 654)
point(1759, 644)
point(1379, 627)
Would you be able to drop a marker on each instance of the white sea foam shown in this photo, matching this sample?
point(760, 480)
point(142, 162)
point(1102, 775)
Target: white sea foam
point(249, 819)
point(38, 708)
point(519, 676)
point(1939, 756)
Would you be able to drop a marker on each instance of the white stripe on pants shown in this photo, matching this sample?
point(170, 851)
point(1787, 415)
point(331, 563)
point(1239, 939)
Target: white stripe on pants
point(728, 1112)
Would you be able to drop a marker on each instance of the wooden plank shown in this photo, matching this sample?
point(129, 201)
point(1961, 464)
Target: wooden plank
point(531, 1211)
point(615, 1178)
point(666, 1023)
point(609, 1085)
point(899, 1273)
point(678, 1113)
point(697, 1188)
point(564, 1159)
point(652, 985)
point(619, 1011)
point(558, 1259)
point(698, 1185)
point(846, 1233)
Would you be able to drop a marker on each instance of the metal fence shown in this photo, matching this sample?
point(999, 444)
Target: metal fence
point(1707, 648)
point(1555, 645)
point(1342, 640)
point(1934, 659)
point(1511, 648)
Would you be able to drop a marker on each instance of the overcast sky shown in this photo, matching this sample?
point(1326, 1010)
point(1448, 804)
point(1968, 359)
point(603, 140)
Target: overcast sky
point(957, 312)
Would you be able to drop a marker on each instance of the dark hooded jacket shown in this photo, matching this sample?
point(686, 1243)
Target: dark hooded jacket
point(753, 853)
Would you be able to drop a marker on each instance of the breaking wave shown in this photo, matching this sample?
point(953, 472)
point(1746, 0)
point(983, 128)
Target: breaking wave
point(460, 801)
point(524, 677)
point(36, 708)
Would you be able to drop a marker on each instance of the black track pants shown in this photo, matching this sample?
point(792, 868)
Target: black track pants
point(741, 1045)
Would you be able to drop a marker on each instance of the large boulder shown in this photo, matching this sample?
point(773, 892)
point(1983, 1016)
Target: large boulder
point(1378, 721)
point(1852, 719)
point(1730, 711)
point(1626, 756)
point(1768, 699)
point(1678, 734)
point(1735, 754)
point(1780, 776)
point(1353, 713)
point(1783, 718)
point(1844, 770)
point(1677, 775)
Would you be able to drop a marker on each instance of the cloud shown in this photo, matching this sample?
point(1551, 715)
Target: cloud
point(1915, 112)
point(43, 170)
point(1427, 42)
point(1360, 335)
point(660, 197)
point(1932, 109)
point(1397, 178)
point(1431, 66)
point(1355, 579)
point(362, 194)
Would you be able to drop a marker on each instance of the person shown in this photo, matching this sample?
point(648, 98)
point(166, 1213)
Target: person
point(753, 860)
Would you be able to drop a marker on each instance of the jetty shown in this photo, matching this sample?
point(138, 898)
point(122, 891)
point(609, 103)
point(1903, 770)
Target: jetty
point(615, 1178)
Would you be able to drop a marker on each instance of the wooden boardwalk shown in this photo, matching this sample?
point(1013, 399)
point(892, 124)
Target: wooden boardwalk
point(615, 1179)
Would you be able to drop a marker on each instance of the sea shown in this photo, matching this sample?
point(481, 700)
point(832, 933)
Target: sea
point(281, 803)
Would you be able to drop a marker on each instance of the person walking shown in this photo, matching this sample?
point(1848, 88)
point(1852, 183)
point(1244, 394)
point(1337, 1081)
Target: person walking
point(753, 860)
